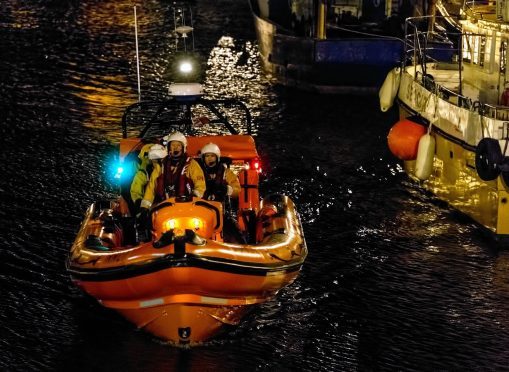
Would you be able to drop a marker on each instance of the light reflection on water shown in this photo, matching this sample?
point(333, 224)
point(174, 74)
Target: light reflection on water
point(394, 279)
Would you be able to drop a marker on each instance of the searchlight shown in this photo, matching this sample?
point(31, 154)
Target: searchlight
point(185, 67)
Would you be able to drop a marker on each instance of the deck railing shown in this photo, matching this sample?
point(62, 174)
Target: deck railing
point(497, 112)
point(423, 47)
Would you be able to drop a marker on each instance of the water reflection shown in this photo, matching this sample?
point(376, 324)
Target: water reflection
point(232, 66)
point(394, 279)
point(19, 18)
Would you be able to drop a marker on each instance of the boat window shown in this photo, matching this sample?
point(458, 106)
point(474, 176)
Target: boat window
point(475, 50)
point(468, 44)
point(503, 56)
point(482, 51)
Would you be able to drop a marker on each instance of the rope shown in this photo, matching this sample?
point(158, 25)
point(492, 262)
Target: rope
point(434, 94)
point(365, 33)
point(435, 114)
point(483, 126)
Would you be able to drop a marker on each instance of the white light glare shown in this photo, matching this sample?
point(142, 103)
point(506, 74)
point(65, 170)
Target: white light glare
point(186, 67)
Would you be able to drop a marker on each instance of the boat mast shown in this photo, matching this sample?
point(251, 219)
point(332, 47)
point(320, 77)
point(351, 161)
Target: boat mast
point(137, 54)
point(460, 64)
point(432, 9)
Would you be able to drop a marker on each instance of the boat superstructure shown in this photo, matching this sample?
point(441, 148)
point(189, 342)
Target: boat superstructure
point(456, 87)
point(339, 46)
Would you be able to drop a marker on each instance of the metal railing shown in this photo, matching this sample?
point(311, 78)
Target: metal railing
point(424, 46)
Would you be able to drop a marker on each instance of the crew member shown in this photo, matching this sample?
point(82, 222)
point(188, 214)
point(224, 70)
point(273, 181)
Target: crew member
point(220, 180)
point(179, 175)
point(150, 158)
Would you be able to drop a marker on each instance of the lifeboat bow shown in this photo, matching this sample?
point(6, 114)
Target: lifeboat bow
point(186, 282)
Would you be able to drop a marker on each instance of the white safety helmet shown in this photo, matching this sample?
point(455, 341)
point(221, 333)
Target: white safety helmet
point(144, 151)
point(211, 148)
point(176, 136)
point(157, 152)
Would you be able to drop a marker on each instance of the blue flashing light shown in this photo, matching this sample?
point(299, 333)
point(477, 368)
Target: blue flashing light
point(120, 170)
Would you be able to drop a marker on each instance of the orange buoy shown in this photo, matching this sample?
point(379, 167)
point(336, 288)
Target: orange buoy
point(403, 139)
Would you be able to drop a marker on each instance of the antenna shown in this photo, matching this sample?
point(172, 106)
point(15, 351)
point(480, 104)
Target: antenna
point(192, 25)
point(137, 54)
point(183, 25)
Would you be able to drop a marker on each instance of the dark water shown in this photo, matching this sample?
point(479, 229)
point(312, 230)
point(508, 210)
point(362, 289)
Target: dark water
point(394, 279)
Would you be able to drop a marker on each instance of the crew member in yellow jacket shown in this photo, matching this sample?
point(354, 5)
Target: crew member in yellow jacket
point(220, 180)
point(179, 175)
point(222, 183)
point(150, 157)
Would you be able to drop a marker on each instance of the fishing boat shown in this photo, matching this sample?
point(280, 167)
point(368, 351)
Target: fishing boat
point(454, 130)
point(339, 46)
point(195, 266)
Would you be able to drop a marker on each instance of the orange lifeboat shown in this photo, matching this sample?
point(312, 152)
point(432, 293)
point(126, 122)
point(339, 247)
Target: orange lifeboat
point(189, 279)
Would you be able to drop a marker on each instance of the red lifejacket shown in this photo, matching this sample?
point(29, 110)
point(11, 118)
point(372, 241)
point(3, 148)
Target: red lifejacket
point(173, 183)
point(213, 184)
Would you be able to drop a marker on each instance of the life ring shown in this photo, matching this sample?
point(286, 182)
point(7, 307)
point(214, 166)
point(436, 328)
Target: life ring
point(488, 157)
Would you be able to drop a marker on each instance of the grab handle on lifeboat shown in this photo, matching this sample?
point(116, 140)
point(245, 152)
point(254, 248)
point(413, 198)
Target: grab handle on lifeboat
point(210, 206)
point(161, 206)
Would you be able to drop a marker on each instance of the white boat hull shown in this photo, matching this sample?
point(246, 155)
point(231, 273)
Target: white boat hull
point(453, 177)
